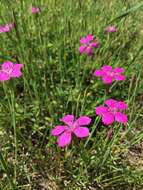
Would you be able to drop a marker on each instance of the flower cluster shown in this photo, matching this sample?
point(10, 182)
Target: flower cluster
point(109, 112)
point(10, 70)
point(87, 45)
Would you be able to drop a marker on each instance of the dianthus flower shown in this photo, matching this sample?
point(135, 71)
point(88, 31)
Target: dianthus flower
point(87, 45)
point(6, 28)
point(10, 70)
point(72, 126)
point(111, 29)
point(35, 10)
point(109, 74)
point(111, 112)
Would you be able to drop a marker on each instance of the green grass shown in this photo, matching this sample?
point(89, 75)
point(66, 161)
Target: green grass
point(57, 80)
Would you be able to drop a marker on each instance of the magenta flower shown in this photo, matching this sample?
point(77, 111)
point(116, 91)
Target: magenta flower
point(111, 29)
point(108, 74)
point(35, 10)
point(10, 70)
point(72, 126)
point(112, 112)
point(87, 45)
point(6, 28)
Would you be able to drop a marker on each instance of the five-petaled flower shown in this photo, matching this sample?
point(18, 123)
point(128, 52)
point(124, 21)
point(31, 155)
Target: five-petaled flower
point(111, 112)
point(87, 45)
point(10, 70)
point(108, 74)
point(6, 28)
point(72, 126)
point(35, 10)
point(111, 29)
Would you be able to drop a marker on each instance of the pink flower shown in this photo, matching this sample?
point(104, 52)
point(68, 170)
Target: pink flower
point(6, 28)
point(111, 29)
point(108, 74)
point(112, 112)
point(35, 10)
point(72, 126)
point(87, 45)
point(10, 70)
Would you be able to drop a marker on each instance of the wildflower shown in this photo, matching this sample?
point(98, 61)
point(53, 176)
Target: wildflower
point(35, 10)
point(111, 112)
point(109, 74)
point(10, 70)
point(111, 29)
point(6, 28)
point(72, 126)
point(87, 45)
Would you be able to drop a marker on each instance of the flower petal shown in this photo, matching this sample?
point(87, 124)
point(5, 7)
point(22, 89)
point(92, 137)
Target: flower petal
point(94, 44)
point(107, 79)
point(89, 50)
point(82, 48)
point(121, 117)
point(100, 110)
point(98, 73)
point(81, 132)
point(68, 119)
point(89, 38)
point(58, 130)
point(64, 139)
point(4, 76)
point(16, 70)
point(107, 68)
point(118, 70)
point(121, 105)
point(111, 103)
point(83, 40)
point(7, 66)
point(119, 77)
point(108, 118)
point(83, 120)
point(111, 29)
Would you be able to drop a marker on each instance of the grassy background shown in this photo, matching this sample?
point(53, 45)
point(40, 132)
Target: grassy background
point(56, 81)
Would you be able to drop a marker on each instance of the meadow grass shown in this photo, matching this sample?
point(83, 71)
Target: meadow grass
point(57, 80)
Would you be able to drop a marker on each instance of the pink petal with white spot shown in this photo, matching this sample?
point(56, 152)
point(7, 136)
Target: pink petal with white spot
point(118, 70)
point(121, 105)
point(107, 68)
point(100, 110)
point(81, 132)
point(82, 48)
point(64, 139)
point(119, 77)
point(58, 130)
point(83, 120)
point(68, 119)
point(108, 118)
point(4, 76)
point(107, 79)
point(99, 73)
point(121, 118)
